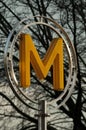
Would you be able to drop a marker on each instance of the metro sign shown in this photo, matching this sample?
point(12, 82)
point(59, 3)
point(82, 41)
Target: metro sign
point(28, 55)
point(53, 57)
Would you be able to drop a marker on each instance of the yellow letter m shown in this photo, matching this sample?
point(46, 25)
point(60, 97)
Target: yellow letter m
point(53, 57)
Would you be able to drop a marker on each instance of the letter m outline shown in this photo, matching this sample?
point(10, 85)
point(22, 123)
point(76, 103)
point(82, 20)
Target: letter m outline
point(53, 57)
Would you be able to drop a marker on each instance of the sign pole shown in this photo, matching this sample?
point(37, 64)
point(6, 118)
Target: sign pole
point(42, 121)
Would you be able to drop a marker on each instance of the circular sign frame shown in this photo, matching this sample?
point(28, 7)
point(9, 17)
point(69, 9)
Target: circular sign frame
point(8, 58)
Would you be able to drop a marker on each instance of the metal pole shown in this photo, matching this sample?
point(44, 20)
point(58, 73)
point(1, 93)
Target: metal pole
point(42, 122)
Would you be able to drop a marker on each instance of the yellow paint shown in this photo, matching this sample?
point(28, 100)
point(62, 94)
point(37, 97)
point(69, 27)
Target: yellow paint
point(53, 57)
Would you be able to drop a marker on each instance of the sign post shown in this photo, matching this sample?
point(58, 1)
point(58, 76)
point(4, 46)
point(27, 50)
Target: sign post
point(42, 121)
point(42, 115)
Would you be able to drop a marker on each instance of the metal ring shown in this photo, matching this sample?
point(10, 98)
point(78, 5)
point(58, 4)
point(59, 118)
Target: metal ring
point(70, 50)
